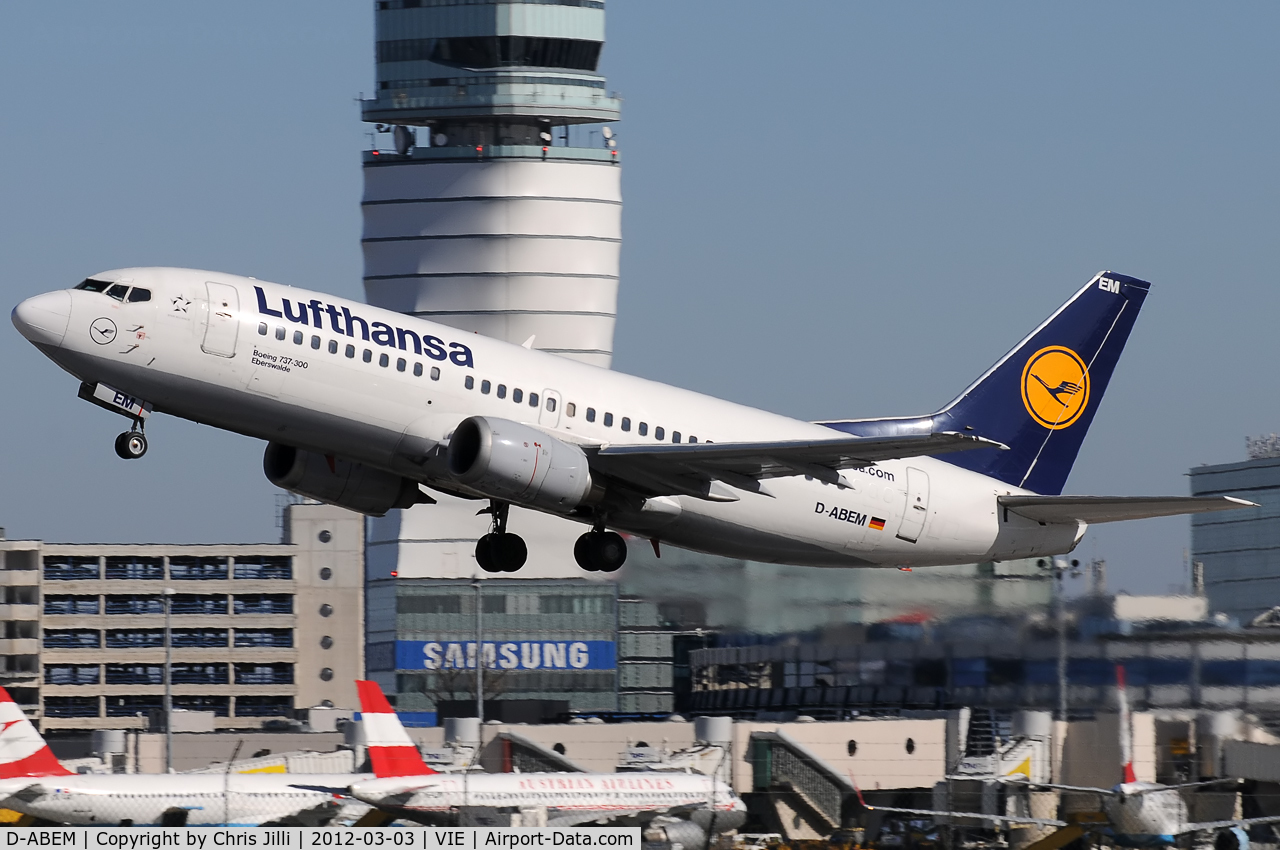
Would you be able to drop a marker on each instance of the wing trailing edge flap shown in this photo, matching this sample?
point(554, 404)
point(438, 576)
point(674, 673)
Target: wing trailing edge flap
point(1095, 509)
point(695, 469)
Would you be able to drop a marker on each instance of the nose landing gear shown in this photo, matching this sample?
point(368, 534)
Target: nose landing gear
point(499, 551)
point(132, 444)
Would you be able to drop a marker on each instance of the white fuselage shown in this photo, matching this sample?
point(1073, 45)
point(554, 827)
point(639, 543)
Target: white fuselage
point(287, 378)
point(237, 799)
point(561, 793)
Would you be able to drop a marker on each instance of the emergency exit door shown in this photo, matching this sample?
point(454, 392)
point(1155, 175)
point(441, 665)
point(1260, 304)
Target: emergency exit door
point(917, 509)
point(221, 320)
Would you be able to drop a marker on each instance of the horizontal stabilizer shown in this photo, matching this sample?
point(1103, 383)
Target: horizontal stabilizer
point(1092, 509)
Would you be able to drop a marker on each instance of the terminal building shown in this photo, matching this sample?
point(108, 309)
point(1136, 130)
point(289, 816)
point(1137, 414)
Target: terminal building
point(1240, 550)
point(258, 630)
point(1177, 656)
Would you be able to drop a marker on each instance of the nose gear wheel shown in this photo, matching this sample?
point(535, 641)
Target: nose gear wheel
point(131, 445)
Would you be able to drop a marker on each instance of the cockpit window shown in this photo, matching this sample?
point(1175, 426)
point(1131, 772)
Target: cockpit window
point(91, 285)
point(117, 291)
point(139, 294)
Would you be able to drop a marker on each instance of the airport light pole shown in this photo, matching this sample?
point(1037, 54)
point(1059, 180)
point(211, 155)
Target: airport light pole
point(168, 680)
point(479, 652)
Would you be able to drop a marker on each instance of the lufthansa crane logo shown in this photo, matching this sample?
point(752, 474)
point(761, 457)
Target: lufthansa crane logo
point(1055, 387)
point(102, 331)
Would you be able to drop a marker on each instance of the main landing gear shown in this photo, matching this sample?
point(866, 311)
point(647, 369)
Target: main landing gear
point(600, 551)
point(499, 551)
point(132, 444)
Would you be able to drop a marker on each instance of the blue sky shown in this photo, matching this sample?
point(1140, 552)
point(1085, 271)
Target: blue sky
point(831, 209)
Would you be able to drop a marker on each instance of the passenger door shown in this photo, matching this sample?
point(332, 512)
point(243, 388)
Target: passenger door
point(222, 321)
point(917, 509)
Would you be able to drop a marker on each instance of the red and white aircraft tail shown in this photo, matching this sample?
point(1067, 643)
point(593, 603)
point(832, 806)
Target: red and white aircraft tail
point(390, 749)
point(23, 751)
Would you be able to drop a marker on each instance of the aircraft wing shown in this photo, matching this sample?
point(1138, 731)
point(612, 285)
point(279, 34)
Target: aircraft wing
point(970, 815)
point(1093, 509)
point(1022, 783)
point(573, 817)
point(26, 793)
point(693, 469)
point(1243, 823)
point(336, 790)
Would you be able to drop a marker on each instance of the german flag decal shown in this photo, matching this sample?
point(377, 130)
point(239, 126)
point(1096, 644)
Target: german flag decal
point(877, 523)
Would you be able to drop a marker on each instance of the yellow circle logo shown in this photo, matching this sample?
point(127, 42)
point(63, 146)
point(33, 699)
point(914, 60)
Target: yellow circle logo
point(1055, 387)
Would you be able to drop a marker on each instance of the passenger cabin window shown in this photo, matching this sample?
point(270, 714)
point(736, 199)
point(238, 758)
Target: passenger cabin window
point(485, 386)
point(693, 439)
point(333, 346)
point(658, 433)
point(315, 343)
point(417, 370)
point(262, 328)
point(118, 291)
point(591, 414)
point(675, 436)
point(470, 382)
point(502, 390)
point(644, 429)
point(435, 373)
point(533, 399)
point(367, 356)
point(401, 363)
point(626, 423)
point(608, 420)
point(383, 360)
point(570, 409)
point(517, 395)
point(279, 331)
point(91, 285)
point(138, 294)
point(297, 337)
point(351, 351)
point(551, 404)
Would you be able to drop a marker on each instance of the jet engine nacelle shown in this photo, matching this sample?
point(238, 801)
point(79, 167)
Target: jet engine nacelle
point(515, 463)
point(335, 481)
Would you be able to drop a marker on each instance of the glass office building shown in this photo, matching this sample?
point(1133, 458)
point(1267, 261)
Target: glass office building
point(549, 646)
point(1240, 550)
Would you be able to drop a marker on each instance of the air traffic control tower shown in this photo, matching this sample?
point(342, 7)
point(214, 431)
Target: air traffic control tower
point(499, 209)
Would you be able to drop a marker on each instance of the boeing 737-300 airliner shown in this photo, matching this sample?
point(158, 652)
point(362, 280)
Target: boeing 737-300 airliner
point(363, 407)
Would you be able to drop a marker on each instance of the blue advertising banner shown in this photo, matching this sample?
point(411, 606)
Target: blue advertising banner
point(507, 655)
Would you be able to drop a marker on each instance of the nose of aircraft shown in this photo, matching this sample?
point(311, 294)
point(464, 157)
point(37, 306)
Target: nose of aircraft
point(43, 319)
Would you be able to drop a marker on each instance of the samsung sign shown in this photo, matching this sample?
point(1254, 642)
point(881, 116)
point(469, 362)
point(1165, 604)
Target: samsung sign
point(511, 655)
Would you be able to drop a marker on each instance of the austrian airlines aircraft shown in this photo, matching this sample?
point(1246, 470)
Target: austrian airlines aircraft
point(34, 782)
point(1139, 814)
point(405, 786)
point(361, 406)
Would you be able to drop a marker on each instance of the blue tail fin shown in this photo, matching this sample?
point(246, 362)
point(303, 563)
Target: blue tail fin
point(1040, 398)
